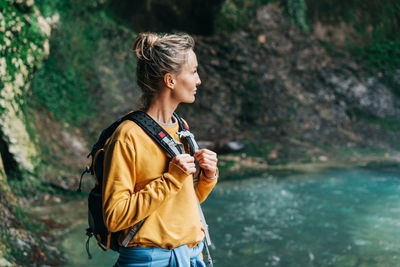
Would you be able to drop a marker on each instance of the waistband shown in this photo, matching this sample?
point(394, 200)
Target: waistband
point(182, 256)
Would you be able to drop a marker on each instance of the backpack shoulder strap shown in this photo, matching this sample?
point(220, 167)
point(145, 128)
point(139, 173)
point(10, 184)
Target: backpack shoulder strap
point(156, 132)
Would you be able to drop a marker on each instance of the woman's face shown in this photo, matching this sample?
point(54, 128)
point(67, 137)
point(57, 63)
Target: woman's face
point(187, 80)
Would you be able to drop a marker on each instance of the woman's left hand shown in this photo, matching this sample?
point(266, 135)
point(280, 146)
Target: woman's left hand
point(208, 161)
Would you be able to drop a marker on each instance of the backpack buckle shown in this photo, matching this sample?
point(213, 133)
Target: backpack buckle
point(185, 133)
point(190, 138)
point(173, 145)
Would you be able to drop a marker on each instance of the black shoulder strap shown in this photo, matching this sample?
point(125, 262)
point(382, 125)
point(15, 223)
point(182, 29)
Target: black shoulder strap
point(156, 132)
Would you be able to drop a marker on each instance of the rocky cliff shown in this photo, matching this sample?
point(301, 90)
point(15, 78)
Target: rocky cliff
point(271, 81)
point(24, 35)
point(24, 43)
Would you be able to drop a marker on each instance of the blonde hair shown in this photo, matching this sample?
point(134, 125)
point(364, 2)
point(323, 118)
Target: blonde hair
point(157, 55)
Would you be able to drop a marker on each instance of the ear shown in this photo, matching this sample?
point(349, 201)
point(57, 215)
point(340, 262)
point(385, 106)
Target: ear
point(169, 80)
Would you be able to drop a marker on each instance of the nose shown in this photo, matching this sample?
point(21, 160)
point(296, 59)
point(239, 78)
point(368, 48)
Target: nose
point(198, 81)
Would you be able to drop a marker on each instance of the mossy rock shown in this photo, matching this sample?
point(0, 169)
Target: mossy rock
point(25, 34)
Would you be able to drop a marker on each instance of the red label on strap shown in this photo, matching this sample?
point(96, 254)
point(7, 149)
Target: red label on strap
point(187, 127)
point(161, 134)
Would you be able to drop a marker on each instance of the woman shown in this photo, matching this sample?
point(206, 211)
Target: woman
point(140, 181)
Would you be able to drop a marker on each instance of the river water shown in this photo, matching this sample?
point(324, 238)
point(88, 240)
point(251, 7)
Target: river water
point(332, 218)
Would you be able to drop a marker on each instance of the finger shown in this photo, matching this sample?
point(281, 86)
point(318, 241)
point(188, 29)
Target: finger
point(208, 160)
point(178, 157)
point(199, 151)
point(211, 158)
point(206, 153)
point(210, 163)
point(190, 170)
point(208, 166)
point(189, 159)
point(188, 165)
point(206, 156)
point(185, 158)
point(202, 151)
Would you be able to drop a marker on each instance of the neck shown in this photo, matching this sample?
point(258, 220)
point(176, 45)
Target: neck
point(161, 109)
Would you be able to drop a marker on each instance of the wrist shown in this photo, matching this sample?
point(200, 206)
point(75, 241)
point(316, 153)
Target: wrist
point(210, 177)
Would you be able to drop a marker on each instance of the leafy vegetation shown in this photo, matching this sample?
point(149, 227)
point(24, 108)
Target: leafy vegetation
point(234, 14)
point(297, 11)
point(376, 23)
point(66, 84)
point(21, 38)
point(376, 41)
point(381, 56)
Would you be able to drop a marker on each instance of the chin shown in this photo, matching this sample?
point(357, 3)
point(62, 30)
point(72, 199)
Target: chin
point(189, 100)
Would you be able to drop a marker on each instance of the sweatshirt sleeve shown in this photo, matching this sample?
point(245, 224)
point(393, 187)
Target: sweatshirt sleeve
point(122, 206)
point(205, 186)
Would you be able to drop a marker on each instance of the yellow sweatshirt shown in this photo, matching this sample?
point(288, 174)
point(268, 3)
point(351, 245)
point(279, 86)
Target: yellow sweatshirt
point(139, 182)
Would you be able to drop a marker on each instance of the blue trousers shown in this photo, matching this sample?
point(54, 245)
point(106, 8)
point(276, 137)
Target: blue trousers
point(182, 256)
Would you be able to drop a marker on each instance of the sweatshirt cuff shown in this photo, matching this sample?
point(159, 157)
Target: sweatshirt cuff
point(207, 179)
point(176, 174)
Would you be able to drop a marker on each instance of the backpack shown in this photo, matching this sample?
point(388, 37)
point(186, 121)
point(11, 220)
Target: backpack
point(109, 240)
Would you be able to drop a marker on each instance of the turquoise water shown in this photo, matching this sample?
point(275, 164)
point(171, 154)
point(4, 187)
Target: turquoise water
point(334, 218)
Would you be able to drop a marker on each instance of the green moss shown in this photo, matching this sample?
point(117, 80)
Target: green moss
point(66, 84)
point(380, 55)
point(29, 224)
point(22, 37)
point(234, 14)
point(297, 11)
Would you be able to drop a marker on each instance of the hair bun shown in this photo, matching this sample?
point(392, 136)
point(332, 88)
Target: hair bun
point(143, 45)
point(150, 38)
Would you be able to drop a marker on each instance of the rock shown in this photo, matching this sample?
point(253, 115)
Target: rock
point(222, 147)
point(275, 78)
point(77, 144)
point(273, 154)
point(57, 199)
point(23, 56)
point(228, 147)
point(323, 158)
point(15, 81)
point(262, 38)
point(5, 263)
